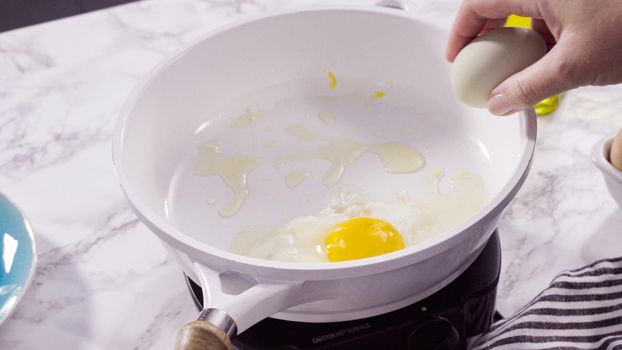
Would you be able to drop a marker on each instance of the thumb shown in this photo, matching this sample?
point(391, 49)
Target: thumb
point(543, 79)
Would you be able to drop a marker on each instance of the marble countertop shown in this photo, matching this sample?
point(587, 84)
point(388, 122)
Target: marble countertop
point(105, 282)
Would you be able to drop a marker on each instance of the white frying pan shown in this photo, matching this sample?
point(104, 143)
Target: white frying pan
point(283, 60)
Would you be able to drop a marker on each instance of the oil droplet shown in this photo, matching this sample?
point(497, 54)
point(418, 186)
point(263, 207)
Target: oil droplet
point(397, 158)
point(210, 201)
point(463, 175)
point(252, 116)
point(333, 80)
point(327, 117)
point(378, 95)
point(233, 171)
point(295, 178)
point(339, 152)
point(437, 173)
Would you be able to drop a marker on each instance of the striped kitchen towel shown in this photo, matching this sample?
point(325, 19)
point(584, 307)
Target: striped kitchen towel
point(581, 309)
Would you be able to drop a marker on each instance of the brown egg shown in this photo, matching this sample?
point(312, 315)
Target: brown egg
point(615, 157)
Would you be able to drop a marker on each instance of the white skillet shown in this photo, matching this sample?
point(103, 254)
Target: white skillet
point(177, 107)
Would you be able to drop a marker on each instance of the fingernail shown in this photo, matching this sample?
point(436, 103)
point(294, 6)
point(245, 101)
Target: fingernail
point(499, 105)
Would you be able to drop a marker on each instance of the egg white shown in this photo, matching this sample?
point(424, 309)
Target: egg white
point(302, 239)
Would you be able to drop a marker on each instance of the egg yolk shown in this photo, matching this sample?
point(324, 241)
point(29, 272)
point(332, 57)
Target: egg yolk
point(362, 238)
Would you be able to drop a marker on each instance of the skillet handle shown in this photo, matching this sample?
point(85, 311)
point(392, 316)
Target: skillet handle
point(229, 309)
point(211, 331)
point(202, 335)
point(232, 296)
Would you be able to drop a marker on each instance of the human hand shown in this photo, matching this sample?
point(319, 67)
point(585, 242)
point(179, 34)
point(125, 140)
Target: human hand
point(584, 38)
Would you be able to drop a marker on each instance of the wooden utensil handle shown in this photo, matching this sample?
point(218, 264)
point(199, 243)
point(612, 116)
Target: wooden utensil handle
point(202, 335)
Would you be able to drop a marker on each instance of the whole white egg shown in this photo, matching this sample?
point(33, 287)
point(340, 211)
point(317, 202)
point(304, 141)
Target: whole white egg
point(490, 59)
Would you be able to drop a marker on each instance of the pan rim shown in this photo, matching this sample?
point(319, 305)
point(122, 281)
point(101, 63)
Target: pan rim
point(299, 271)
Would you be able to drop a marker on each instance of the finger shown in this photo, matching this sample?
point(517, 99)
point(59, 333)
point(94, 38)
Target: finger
point(545, 78)
point(466, 27)
point(540, 26)
point(474, 14)
point(492, 24)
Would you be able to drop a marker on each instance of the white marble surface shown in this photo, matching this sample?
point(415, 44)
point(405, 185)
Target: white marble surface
point(104, 282)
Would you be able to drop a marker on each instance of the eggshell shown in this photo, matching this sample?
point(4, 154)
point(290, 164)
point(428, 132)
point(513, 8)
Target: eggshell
point(615, 157)
point(490, 59)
